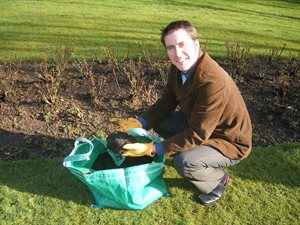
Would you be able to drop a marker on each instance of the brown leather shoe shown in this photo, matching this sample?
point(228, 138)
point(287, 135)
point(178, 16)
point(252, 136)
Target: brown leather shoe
point(215, 194)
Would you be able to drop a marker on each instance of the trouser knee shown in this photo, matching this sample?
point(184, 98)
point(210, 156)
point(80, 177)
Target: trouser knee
point(187, 170)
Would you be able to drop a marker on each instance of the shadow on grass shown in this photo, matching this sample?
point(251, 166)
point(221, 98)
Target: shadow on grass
point(16, 146)
point(47, 177)
point(37, 174)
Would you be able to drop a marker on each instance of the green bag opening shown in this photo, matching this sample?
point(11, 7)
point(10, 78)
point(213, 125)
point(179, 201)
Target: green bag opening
point(134, 184)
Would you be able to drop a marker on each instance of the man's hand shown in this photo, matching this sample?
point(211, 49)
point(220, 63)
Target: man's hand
point(127, 124)
point(138, 149)
point(116, 141)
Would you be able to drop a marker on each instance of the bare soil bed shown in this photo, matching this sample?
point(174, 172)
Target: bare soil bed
point(30, 128)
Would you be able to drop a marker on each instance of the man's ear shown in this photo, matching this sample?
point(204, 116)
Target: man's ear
point(197, 43)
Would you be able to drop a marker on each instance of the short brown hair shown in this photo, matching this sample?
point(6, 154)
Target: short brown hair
point(176, 25)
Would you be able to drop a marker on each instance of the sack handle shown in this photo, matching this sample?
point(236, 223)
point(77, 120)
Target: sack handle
point(79, 157)
point(143, 132)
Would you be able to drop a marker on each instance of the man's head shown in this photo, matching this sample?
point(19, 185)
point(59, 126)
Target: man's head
point(182, 45)
point(176, 25)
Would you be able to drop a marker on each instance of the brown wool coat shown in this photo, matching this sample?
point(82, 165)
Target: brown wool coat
point(215, 110)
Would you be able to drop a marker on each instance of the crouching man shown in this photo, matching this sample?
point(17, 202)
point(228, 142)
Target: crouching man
point(201, 115)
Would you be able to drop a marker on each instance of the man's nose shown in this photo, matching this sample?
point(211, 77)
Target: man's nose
point(178, 51)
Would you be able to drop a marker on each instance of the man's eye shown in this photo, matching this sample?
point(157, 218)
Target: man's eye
point(169, 48)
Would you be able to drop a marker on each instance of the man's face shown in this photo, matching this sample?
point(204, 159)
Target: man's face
point(181, 49)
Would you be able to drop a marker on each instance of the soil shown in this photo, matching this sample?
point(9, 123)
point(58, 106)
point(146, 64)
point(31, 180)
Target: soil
point(30, 128)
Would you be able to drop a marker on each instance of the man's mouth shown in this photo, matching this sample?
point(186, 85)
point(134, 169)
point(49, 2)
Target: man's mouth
point(181, 62)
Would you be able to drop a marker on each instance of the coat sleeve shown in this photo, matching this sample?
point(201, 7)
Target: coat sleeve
point(210, 100)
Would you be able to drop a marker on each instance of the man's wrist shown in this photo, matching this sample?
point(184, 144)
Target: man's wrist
point(142, 121)
point(158, 149)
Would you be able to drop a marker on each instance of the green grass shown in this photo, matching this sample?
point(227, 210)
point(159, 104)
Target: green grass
point(28, 27)
point(264, 189)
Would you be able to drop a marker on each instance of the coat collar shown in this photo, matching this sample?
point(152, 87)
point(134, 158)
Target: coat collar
point(186, 89)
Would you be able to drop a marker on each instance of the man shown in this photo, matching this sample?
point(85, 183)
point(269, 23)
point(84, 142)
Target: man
point(211, 129)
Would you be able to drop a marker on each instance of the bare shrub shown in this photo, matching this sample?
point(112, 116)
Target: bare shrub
point(273, 62)
point(237, 57)
point(49, 82)
point(99, 54)
point(8, 76)
point(163, 68)
point(293, 65)
point(146, 55)
point(275, 53)
point(135, 75)
point(116, 64)
point(152, 63)
point(94, 83)
point(134, 70)
point(51, 72)
point(150, 94)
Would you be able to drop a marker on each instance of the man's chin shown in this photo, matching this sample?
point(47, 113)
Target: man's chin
point(182, 68)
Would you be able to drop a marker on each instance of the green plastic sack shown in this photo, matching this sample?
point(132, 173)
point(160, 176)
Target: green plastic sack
point(122, 188)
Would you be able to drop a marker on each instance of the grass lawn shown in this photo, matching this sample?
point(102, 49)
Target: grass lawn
point(28, 27)
point(264, 189)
